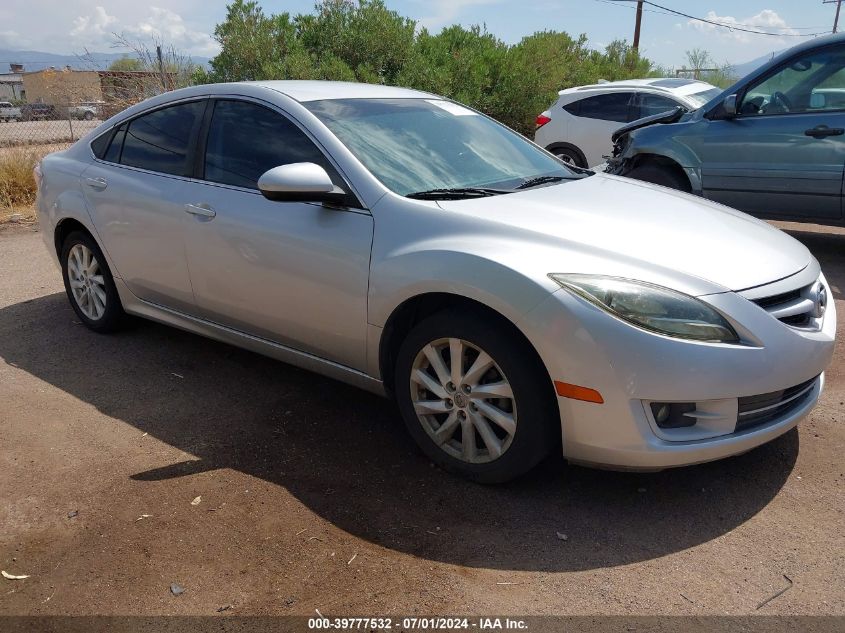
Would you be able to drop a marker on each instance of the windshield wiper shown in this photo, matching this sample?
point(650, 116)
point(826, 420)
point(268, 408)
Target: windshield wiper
point(456, 193)
point(541, 180)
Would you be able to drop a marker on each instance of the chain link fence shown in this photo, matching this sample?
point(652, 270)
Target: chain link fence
point(59, 108)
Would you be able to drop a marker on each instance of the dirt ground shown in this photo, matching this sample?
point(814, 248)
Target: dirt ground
point(308, 494)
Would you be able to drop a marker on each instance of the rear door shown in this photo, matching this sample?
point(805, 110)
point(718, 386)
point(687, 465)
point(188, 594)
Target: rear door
point(784, 154)
point(598, 117)
point(134, 192)
point(291, 272)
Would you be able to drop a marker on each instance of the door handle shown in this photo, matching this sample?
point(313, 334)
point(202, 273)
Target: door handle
point(97, 183)
point(821, 131)
point(201, 210)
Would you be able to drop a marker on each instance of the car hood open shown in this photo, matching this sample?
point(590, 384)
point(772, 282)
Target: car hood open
point(640, 222)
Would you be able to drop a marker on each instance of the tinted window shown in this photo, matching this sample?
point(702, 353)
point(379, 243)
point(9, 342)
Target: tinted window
point(609, 107)
point(655, 104)
point(99, 144)
point(112, 154)
point(160, 141)
point(245, 140)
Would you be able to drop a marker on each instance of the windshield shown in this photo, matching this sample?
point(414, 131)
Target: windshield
point(700, 98)
point(424, 145)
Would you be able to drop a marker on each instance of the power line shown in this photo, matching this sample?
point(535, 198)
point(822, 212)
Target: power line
point(732, 27)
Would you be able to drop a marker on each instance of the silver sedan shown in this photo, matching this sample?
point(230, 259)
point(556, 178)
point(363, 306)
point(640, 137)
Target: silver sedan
point(409, 245)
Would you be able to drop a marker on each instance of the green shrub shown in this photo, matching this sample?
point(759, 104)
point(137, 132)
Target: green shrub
point(366, 41)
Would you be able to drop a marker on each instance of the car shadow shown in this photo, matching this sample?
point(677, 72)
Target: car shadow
point(345, 455)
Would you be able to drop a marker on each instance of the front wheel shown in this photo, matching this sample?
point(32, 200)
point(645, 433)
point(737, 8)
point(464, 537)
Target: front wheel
point(89, 283)
point(475, 397)
point(659, 176)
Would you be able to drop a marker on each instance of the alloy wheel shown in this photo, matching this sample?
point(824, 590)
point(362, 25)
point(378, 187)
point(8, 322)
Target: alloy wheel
point(86, 282)
point(463, 400)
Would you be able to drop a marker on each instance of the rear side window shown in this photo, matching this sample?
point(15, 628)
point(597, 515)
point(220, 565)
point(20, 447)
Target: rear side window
point(112, 154)
point(246, 139)
point(614, 106)
point(100, 144)
point(161, 140)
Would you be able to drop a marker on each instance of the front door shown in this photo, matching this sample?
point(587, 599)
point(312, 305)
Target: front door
point(292, 272)
point(784, 153)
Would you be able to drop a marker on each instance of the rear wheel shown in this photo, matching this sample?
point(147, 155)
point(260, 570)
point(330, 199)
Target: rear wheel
point(474, 397)
point(89, 283)
point(569, 156)
point(88, 116)
point(659, 175)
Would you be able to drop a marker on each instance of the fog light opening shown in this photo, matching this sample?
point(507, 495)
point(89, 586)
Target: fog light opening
point(670, 415)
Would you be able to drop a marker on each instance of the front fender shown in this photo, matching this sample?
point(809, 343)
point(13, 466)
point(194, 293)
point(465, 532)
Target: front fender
point(664, 141)
point(438, 269)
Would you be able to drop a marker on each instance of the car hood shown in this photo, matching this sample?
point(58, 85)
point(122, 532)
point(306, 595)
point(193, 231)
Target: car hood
point(670, 116)
point(623, 227)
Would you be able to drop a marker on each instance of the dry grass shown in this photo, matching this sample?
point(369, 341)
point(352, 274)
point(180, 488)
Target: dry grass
point(17, 183)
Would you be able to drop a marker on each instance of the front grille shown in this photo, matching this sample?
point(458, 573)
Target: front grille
point(797, 308)
point(774, 300)
point(757, 410)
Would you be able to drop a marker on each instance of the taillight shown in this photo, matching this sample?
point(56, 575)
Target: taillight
point(542, 119)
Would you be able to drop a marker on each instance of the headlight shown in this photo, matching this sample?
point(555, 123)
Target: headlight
point(651, 307)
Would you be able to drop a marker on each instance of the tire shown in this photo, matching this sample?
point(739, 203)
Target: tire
point(88, 116)
point(569, 156)
point(658, 175)
point(90, 290)
point(531, 407)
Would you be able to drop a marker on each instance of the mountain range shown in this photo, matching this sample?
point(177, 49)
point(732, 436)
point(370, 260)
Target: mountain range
point(39, 60)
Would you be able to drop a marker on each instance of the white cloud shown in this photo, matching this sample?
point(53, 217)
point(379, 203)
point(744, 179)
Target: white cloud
point(93, 26)
point(96, 30)
point(767, 20)
point(170, 27)
point(12, 39)
point(445, 12)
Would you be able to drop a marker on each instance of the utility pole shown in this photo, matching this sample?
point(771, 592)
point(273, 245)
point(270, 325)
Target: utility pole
point(640, 19)
point(161, 69)
point(836, 19)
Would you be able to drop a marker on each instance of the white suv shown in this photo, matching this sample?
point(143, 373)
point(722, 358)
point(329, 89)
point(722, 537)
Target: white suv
point(577, 127)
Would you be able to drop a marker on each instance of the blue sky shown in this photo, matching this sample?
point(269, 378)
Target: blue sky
point(71, 25)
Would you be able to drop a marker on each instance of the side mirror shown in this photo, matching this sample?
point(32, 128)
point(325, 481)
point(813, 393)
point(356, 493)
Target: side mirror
point(817, 101)
point(729, 105)
point(299, 182)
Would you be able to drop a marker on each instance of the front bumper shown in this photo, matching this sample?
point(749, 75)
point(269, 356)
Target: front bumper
point(583, 345)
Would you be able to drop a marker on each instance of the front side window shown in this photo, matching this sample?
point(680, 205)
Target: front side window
point(656, 104)
point(417, 145)
point(246, 139)
point(160, 141)
point(815, 81)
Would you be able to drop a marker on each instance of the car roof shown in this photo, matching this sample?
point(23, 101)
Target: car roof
point(670, 85)
point(315, 90)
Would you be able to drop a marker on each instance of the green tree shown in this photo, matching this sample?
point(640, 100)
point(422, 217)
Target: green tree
point(127, 64)
point(253, 45)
